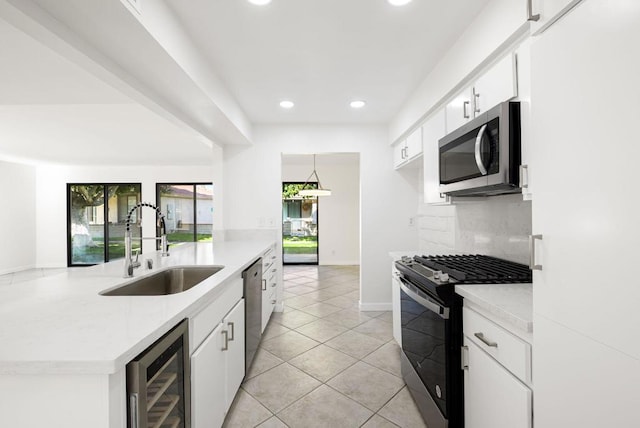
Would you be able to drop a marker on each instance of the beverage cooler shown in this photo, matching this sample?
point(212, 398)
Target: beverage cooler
point(158, 387)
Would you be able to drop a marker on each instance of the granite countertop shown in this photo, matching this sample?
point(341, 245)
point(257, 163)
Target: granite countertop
point(510, 303)
point(61, 324)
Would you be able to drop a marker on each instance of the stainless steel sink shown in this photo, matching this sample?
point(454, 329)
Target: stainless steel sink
point(169, 281)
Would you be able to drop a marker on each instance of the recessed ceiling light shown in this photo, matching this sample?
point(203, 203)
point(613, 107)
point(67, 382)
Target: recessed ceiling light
point(357, 104)
point(398, 2)
point(260, 2)
point(286, 104)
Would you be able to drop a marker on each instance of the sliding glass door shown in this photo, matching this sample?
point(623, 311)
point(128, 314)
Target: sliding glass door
point(299, 225)
point(188, 210)
point(96, 217)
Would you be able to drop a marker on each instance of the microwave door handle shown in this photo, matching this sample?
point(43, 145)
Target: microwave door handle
point(479, 162)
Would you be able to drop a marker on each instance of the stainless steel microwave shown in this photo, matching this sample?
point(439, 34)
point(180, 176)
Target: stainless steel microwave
point(482, 157)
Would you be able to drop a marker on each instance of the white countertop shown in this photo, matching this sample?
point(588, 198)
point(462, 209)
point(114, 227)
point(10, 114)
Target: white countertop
point(510, 303)
point(60, 323)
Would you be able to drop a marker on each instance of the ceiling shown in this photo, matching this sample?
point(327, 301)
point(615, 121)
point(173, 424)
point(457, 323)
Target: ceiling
point(53, 111)
point(321, 54)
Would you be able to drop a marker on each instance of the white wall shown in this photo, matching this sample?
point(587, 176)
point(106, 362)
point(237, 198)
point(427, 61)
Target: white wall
point(338, 214)
point(252, 184)
point(50, 191)
point(17, 217)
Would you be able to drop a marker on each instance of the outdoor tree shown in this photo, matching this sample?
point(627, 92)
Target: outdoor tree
point(84, 196)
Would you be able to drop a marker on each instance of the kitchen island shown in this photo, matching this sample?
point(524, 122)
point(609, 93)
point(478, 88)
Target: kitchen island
point(65, 347)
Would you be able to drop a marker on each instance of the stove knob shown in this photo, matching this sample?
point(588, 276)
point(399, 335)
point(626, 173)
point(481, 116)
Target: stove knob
point(444, 277)
point(436, 274)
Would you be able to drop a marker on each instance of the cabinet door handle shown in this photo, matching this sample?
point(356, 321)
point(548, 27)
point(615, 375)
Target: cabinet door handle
point(230, 324)
point(464, 109)
point(225, 347)
point(531, 16)
point(476, 101)
point(264, 285)
point(532, 252)
point(485, 341)
point(524, 172)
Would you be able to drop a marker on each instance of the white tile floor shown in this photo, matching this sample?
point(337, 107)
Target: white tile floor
point(323, 363)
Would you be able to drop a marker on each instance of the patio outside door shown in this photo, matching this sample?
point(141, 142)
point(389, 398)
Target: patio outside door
point(299, 225)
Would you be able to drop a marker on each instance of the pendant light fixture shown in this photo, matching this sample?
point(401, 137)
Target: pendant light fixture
point(320, 191)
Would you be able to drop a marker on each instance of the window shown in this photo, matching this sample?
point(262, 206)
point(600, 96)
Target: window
point(188, 210)
point(97, 214)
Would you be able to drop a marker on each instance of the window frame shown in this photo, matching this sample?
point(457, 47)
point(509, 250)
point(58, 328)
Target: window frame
point(194, 184)
point(105, 186)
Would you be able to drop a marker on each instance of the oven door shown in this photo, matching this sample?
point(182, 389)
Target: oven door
point(431, 340)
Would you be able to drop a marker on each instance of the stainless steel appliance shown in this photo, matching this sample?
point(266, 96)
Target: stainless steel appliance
point(432, 327)
point(252, 278)
point(483, 156)
point(158, 386)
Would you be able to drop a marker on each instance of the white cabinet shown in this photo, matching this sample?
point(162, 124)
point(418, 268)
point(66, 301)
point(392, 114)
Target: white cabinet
point(546, 12)
point(217, 370)
point(432, 131)
point(494, 398)
point(496, 85)
point(459, 110)
point(497, 375)
point(270, 269)
point(523, 60)
point(207, 374)
point(406, 151)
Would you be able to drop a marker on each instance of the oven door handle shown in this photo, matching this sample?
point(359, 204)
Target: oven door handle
point(433, 306)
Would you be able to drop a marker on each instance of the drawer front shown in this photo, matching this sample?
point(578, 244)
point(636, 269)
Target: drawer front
point(268, 258)
point(510, 351)
point(206, 320)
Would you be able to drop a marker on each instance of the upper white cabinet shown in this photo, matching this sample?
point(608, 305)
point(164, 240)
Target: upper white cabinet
point(460, 109)
point(523, 59)
point(496, 85)
point(406, 151)
point(432, 131)
point(543, 13)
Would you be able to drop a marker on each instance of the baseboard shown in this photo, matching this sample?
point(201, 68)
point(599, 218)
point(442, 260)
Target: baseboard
point(340, 263)
point(365, 307)
point(16, 269)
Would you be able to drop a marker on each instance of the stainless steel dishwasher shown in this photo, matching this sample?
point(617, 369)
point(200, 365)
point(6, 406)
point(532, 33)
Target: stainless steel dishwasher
point(252, 278)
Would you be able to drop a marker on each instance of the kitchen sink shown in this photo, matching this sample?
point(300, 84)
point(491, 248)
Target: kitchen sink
point(169, 281)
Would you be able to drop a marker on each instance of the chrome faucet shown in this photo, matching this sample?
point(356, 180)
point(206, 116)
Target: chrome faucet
point(129, 263)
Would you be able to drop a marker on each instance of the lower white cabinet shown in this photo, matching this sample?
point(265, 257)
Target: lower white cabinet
point(217, 370)
point(494, 398)
point(497, 368)
point(269, 284)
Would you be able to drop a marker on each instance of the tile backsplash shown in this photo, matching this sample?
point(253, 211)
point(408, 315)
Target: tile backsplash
point(497, 226)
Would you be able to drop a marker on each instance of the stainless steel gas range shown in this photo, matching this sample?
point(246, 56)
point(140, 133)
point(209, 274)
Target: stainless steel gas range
point(431, 315)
